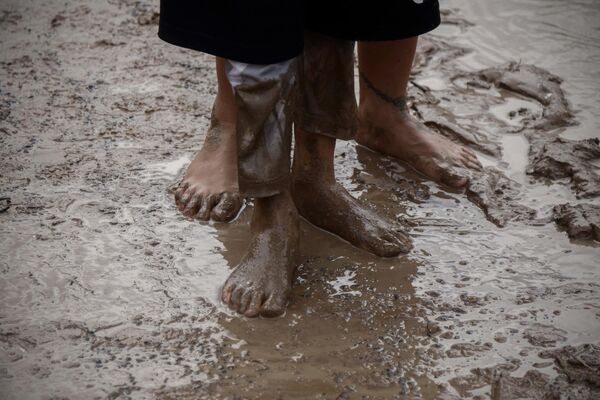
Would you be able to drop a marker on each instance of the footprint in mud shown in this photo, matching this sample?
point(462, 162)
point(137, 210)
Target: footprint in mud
point(517, 112)
point(534, 83)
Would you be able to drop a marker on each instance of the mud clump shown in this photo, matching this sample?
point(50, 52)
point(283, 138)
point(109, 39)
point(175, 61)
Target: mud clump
point(497, 196)
point(544, 335)
point(466, 350)
point(580, 364)
point(535, 83)
point(536, 385)
point(581, 221)
point(562, 158)
point(578, 377)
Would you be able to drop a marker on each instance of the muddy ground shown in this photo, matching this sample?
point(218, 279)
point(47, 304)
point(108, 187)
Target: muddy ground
point(107, 292)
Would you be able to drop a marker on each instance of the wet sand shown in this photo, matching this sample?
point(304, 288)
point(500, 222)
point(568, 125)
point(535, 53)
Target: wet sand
point(107, 292)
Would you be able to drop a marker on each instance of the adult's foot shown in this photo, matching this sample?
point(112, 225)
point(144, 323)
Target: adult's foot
point(261, 283)
point(386, 126)
point(326, 204)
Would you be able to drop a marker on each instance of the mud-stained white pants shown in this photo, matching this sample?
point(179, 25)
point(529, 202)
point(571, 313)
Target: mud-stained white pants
point(264, 96)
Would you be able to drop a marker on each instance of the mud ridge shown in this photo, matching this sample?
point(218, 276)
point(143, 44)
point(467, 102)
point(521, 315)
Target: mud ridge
point(498, 196)
point(581, 221)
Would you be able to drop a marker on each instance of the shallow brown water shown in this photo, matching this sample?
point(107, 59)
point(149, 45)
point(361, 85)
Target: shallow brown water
point(107, 292)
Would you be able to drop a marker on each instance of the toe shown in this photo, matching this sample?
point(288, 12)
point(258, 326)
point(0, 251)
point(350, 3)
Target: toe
point(391, 244)
point(208, 202)
point(255, 305)
point(178, 194)
point(468, 151)
point(470, 163)
point(227, 291)
point(184, 199)
point(236, 297)
point(403, 240)
point(191, 208)
point(245, 301)
point(186, 196)
point(274, 306)
point(227, 207)
point(180, 191)
point(471, 160)
point(452, 178)
point(389, 249)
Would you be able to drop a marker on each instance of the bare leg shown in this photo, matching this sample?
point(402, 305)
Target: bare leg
point(387, 127)
point(325, 203)
point(209, 188)
point(261, 283)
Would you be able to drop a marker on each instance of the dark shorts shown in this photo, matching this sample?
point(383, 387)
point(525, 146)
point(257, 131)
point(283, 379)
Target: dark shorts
point(271, 31)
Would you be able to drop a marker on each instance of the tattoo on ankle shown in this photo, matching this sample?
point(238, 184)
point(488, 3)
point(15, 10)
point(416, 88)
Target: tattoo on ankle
point(398, 102)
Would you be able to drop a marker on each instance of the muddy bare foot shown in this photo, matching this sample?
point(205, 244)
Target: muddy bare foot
point(330, 207)
point(261, 283)
point(387, 127)
point(326, 204)
point(209, 189)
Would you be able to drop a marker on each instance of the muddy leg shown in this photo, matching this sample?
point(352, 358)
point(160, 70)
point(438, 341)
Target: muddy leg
point(264, 95)
point(209, 188)
point(261, 283)
point(385, 124)
point(325, 203)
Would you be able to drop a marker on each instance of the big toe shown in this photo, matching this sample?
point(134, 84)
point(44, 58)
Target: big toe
point(274, 306)
point(453, 178)
point(389, 244)
point(400, 240)
point(227, 208)
point(227, 291)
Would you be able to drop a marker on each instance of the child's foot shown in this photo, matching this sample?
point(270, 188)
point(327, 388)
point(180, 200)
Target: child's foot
point(261, 283)
point(389, 129)
point(329, 206)
point(209, 189)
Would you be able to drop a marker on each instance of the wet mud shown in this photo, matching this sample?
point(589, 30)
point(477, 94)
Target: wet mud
point(535, 83)
point(108, 292)
point(498, 196)
point(577, 377)
point(575, 160)
point(581, 221)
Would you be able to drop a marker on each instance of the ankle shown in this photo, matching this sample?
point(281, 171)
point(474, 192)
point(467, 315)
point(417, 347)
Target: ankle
point(224, 109)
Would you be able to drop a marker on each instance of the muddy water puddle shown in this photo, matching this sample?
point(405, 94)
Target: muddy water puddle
point(107, 292)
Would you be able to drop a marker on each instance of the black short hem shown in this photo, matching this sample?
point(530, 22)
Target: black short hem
point(426, 19)
point(236, 51)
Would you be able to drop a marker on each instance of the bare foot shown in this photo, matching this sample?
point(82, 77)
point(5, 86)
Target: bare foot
point(388, 128)
point(261, 283)
point(326, 204)
point(330, 207)
point(209, 189)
